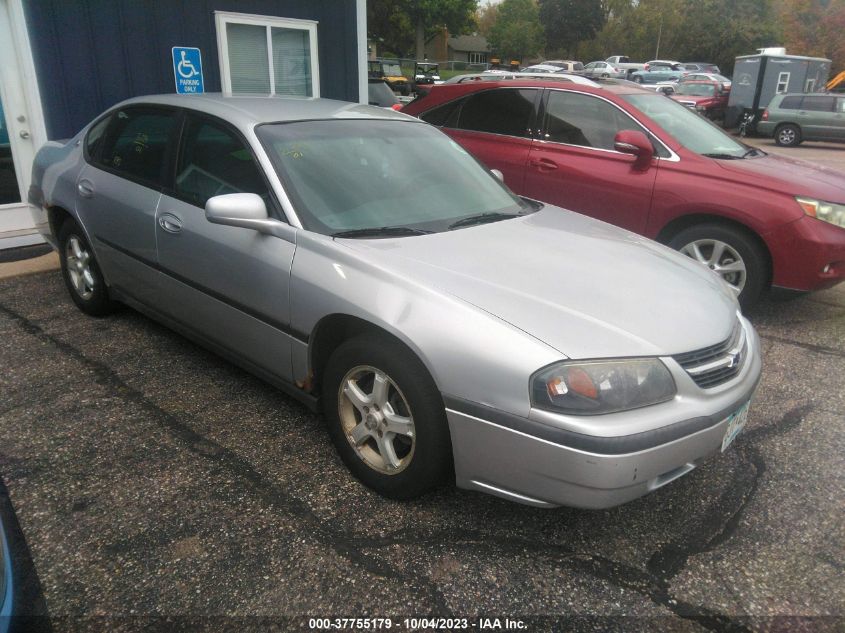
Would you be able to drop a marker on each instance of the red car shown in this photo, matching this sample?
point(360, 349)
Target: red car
point(636, 159)
point(708, 98)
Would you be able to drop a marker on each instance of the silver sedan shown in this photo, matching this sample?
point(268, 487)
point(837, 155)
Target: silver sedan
point(364, 263)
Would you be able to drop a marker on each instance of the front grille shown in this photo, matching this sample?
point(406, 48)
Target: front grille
point(717, 364)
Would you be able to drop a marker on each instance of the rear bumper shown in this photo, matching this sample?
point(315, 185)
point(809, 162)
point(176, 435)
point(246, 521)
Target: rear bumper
point(807, 254)
point(537, 464)
point(766, 128)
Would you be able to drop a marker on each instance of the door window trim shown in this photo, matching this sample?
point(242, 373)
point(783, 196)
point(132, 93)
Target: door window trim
point(672, 158)
point(223, 18)
point(533, 119)
point(274, 210)
point(168, 152)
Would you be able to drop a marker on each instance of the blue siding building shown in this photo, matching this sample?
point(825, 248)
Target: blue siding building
point(72, 59)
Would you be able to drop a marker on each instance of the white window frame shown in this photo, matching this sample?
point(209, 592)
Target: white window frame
point(223, 18)
point(477, 58)
point(782, 82)
point(810, 85)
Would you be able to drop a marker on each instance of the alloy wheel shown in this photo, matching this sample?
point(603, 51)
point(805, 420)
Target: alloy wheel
point(78, 259)
point(721, 258)
point(376, 419)
point(786, 136)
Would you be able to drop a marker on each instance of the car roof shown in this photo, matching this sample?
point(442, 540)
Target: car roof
point(248, 110)
point(543, 81)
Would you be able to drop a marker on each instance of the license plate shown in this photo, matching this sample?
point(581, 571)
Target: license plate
point(736, 422)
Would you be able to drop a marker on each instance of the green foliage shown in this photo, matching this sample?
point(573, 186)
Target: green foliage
point(393, 23)
point(568, 22)
point(517, 32)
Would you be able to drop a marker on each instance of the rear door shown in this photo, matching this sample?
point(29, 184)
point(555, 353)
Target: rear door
point(118, 192)
point(495, 126)
point(230, 284)
point(818, 117)
point(573, 163)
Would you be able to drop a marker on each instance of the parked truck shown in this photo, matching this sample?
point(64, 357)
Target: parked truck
point(624, 64)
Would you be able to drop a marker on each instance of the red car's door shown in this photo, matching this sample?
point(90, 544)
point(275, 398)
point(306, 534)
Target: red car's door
point(495, 127)
point(572, 162)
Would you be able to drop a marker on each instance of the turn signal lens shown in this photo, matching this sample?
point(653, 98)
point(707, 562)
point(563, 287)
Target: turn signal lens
point(580, 382)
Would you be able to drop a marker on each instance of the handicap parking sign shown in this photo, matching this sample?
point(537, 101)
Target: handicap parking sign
point(187, 68)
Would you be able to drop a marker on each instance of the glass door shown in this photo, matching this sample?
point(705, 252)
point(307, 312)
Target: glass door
point(10, 191)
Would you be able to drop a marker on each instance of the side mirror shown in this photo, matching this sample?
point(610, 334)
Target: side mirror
point(499, 175)
point(246, 211)
point(637, 144)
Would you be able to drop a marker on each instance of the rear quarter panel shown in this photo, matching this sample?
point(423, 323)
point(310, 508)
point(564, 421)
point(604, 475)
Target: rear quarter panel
point(55, 172)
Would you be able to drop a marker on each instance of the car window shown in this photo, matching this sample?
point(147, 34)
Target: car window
point(578, 66)
point(214, 161)
point(380, 94)
point(95, 137)
point(503, 111)
point(840, 105)
point(445, 115)
point(818, 104)
point(136, 143)
point(579, 119)
point(790, 103)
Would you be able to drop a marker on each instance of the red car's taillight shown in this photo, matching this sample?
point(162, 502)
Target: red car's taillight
point(396, 106)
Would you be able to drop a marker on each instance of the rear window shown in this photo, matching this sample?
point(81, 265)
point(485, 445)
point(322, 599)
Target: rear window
point(578, 66)
point(790, 103)
point(818, 104)
point(445, 115)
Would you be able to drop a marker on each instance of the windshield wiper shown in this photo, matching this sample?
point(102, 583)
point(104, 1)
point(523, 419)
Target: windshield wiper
point(380, 231)
point(752, 151)
point(723, 156)
point(482, 218)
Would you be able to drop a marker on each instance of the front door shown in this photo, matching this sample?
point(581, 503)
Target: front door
point(20, 129)
point(230, 284)
point(573, 164)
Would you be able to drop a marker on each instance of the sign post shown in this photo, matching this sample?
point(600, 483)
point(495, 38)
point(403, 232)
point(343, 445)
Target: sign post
point(187, 69)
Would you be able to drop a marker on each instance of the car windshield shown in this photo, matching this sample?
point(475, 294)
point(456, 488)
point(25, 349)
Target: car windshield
point(690, 129)
point(696, 90)
point(357, 175)
point(391, 70)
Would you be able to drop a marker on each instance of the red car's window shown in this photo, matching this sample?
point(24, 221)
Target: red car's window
point(579, 119)
point(503, 111)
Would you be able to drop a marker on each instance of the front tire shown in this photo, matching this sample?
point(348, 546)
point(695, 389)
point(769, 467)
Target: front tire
point(81, 272)
point(730, 253)
point(638, 79)
point(788, 135)
point(386, 417)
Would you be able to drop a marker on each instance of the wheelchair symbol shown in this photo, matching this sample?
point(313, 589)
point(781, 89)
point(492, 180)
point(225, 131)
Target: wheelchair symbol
point(185, 67)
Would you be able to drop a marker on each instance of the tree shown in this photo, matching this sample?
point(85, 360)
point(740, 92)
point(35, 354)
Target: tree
point(517, 32)
point(568, 22)
point(399, 22)
point(814, 27)
point(486, 17)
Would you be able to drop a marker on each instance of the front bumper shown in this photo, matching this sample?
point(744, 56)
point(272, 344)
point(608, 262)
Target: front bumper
point(537, 463)
point(807, 254)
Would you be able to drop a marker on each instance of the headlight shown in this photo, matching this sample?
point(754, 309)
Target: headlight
point(827, 211)
point(700, 108)
point(596, 387)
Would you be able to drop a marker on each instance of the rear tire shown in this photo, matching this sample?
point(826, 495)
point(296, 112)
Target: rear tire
point(81, 273)
point(394, 438)
point(788, 135)
point(729, 252)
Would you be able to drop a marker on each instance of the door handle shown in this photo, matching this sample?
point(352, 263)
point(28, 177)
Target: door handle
point(24, 134)
point(170, 223)
point(85, 188)
point(543, 164)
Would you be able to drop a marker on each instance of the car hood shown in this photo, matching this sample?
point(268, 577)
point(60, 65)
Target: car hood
point(586, 288)
point(790, 176)
point(692, 98)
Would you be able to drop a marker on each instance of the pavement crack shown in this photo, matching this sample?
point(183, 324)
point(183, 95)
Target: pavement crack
point(811, 347)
